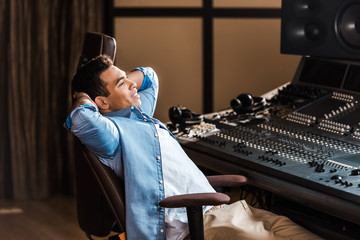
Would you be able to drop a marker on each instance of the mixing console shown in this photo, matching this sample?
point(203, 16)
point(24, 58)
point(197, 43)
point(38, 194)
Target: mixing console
point(324, 156)
point(306, 134)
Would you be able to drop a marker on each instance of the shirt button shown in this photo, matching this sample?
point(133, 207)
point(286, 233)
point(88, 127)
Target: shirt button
point(155, 135)
point(132, 107)
point(160, 181)
point(162, 230)
point(158, 158)
point(145, 120)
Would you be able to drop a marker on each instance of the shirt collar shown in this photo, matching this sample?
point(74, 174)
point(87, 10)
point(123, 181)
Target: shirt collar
point(126, 112)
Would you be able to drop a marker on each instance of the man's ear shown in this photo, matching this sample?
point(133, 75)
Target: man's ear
point(102, 103)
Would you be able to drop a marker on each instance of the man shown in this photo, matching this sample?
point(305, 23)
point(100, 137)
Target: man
point(112, 116)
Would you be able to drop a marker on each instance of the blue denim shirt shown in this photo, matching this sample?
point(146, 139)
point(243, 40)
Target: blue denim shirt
point(129, 141)
point(144, 217)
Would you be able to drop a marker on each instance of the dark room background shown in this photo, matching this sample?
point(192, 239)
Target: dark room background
point(41, 42)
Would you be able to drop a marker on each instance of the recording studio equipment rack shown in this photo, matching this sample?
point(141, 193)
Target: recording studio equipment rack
point(304, 145)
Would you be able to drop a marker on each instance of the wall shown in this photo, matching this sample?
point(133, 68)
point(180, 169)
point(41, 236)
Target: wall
point(246, 53)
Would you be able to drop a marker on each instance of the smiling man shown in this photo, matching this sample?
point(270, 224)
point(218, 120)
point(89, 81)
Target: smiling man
point(113, 117)
point(122, 91)
point(112, 90)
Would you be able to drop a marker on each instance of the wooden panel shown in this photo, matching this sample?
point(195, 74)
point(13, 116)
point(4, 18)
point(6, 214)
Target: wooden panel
point(248, 3)
point(247, 59)
point(172, 46)
point(158, 3)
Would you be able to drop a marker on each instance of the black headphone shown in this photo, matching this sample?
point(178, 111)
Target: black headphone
point(246, 103)
point(184, 117)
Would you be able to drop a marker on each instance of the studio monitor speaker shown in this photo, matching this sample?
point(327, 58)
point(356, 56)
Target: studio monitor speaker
point(321, 28)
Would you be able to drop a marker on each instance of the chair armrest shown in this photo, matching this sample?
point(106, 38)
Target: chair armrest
point(227, 180)
point(194, 200)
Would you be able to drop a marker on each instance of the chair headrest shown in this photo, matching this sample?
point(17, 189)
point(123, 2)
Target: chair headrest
point(96, 44)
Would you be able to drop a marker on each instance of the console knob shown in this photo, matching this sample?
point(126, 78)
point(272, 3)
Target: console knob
point(336, 177)
point(355, 172)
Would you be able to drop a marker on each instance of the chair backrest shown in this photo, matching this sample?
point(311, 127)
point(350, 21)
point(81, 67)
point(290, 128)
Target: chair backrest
point(100, 196)
point(100, 193)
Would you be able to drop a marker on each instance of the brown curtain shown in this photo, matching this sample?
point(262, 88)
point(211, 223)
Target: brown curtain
point(41, 42)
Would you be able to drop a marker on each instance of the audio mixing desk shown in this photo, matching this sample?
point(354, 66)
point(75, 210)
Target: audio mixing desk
point(304, 145)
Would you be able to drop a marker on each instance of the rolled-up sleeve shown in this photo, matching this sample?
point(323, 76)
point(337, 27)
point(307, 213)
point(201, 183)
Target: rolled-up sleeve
point(97, 132)
point(149, 90)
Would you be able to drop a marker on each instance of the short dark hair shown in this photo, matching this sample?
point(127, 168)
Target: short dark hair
point(87, 78)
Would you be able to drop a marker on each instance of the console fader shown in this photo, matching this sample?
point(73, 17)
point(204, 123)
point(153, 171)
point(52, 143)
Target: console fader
point(308, 133)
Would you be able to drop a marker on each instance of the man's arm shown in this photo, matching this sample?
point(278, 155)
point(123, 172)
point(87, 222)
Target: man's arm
point(148, 90)
point(98, 133)
point(81, 98)
point(136, 76)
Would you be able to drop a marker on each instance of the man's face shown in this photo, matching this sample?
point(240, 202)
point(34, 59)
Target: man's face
point(123, 92)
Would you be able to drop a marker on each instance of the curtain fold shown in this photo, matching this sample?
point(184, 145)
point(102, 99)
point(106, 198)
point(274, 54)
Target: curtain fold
point(41, 42)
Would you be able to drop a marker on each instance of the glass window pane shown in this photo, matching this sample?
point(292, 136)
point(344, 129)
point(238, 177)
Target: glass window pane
point(248, 3)
point(172, 46)
point(158, 3)
point(247, 59)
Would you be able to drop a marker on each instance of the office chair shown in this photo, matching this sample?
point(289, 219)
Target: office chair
point(100, 193)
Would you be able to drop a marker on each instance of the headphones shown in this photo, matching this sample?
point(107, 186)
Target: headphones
point(246, 103)
point(184, 117)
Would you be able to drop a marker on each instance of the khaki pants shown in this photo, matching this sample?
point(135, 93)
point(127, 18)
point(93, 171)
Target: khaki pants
point(240, 221)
